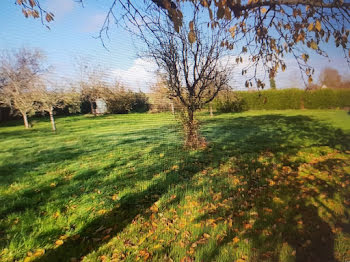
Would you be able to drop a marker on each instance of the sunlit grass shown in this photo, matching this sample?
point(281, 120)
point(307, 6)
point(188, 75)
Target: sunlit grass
point(271, 186)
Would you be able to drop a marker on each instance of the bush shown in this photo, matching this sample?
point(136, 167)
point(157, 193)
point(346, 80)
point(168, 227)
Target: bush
point(283, 99)
point(229, 102)
point(124, 102)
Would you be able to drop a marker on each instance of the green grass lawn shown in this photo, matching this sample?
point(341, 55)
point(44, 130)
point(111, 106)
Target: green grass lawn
point(270, 186)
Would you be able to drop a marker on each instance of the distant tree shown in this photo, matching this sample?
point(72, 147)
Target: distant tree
point(345, 84)
point(312, 86)
point(160, 97)
point(272, 83)
point(21, 72)
point(121, 100)
point(92, 83)
point(330, 78)
point(50, 100)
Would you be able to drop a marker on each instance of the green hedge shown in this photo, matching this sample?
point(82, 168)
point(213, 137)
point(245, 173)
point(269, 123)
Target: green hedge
point(283, 99)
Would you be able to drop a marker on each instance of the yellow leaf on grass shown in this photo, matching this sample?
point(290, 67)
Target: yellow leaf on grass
point(39, 252)
point(248, 226)
point(102, 212)
point(115, 197)
point(154, 208)
point(59, 242)
point(235, 240)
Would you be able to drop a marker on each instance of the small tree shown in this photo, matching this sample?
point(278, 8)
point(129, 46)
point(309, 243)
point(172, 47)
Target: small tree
point(331, 78)
point(49, 100)
point(193, 58)
point(92, 83)
point(160, 98)
point(21, 72)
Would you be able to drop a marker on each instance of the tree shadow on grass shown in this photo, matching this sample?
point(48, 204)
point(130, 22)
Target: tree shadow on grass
point(244, 139)
point(275, 198)
point(284, 208)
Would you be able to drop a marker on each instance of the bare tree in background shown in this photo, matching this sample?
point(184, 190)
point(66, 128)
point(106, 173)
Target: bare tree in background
point(21, 71)
point(265, 30)
point(331, 78)
point(49, 100)
point(160, 98)
point(92, 83)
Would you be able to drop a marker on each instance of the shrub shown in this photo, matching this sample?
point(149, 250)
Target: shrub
point(123, 102)
point(283, 99)
point(229, 102)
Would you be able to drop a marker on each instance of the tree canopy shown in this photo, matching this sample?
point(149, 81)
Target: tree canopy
point(264, 30)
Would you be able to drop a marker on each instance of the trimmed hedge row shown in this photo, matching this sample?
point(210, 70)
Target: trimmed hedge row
point(283, 99)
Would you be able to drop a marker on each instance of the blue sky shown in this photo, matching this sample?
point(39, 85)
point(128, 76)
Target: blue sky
point(72, 35)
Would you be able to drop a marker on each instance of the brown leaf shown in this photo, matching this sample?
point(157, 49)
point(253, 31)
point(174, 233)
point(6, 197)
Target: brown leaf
point(192, 37)
point(318, 26)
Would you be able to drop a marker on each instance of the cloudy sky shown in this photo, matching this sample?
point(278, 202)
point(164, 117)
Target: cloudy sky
point(73, 34)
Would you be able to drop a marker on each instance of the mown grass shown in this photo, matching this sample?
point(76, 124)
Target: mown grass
point(271, 186)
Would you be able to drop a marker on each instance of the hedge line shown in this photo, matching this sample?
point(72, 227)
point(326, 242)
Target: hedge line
point(282, 99)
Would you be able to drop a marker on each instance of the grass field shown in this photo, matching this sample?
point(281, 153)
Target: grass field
point(271, 186)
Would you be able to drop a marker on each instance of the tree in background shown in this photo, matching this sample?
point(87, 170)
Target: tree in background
point(121, 100)
point(92, 84)
point(50, 100)
point(264, 30)
point(21, 72)
point(330, 78)
point(160, 96)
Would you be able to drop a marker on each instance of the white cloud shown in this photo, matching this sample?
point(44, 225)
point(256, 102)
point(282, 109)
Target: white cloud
point(140, 76)
point(60, 7)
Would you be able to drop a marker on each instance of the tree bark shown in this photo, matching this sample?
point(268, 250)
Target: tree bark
point(52, 119)
point(172, 108)
point(93, 111)
point(25, 119)
point(191, 128)
point(211, 110)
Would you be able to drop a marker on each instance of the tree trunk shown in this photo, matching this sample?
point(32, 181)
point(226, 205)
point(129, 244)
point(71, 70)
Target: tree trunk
point(93, 111)
point(172, 108)
point(191, 128)
point(53, 124)
point(25, 119)
point(211, 110)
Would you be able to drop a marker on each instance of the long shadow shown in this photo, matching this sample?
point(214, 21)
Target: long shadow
point(245, 138)
point(284, 202)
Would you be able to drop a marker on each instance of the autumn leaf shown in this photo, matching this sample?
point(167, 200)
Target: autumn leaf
point(305, 57)
point(314, 45)
point(318, 26)
point(235, 240)
point(115, 197)
point(191, 24)
point(310, 27)
point(154, 208)
point(59, 242)
point(102, 212)
point(263, 10)
point(39, 252)
point(56, 215)
point(192, 37)
point(248, 226)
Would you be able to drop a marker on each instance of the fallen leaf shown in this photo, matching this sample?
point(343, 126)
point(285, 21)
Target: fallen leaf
point(59, 242)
